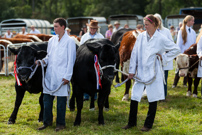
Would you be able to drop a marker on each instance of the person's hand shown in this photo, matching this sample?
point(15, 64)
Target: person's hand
point(36, 62)
point(130, 76)
point(159, 56)
point(65, 81)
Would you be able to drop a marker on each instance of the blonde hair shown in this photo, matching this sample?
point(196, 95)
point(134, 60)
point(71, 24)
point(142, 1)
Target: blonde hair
point(152, 19)
point(183, 28)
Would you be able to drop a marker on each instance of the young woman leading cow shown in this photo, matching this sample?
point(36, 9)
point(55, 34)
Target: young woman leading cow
point(146, 69)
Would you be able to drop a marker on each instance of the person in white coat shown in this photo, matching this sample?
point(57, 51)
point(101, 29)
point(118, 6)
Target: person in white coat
point(34, 30)
point(199, 53)
point(60, 59)
point(93, 33)
point(8, 34)
point(145, 66)
point(165, 32)
point(185, 38)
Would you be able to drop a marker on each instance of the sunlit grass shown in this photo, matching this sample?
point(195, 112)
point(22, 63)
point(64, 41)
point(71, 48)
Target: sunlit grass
point(178, 116)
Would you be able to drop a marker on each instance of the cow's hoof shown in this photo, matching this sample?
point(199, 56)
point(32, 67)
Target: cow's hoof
point(72, 109)
point(188, 93)
point(184, 85)
point(76, 123)
point(11, 122)
point(40, 120)
point(194, 95)
point(173, 86)
point(106, 109)
point(101, 123)
point(92, 109)
point(125, 97)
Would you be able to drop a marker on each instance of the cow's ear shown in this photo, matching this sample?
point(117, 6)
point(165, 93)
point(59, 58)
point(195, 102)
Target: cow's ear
point(95, 48)
point(116, 47)
point(13, 50)
point(41, 54)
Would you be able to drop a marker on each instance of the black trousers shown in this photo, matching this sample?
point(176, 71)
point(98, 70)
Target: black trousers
point(150, 115)
point(177, 79)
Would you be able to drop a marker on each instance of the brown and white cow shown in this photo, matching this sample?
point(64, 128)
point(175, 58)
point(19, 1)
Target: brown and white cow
point(187, 64)
point(125, 50)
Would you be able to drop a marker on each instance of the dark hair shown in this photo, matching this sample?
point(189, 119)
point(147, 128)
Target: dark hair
point(61, 21)
point(152, 19)
point(172, 27)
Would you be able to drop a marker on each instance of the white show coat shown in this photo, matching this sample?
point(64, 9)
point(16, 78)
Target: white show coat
point(142, 60)
point(35, 31)
point(166, 33)
point(22, 33)
point(191, 39)
point(9, 36)
point(87, 36)
point(60, 61)
point(199, 53)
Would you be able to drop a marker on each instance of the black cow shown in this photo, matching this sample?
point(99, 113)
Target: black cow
point(117, 38)
point(84, 76)
point(26, 56)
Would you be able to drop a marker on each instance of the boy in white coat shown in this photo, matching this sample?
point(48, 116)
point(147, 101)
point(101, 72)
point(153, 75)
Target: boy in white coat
point(145, 66)
point(60, 59)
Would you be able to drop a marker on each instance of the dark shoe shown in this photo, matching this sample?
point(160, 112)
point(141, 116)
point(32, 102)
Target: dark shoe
point(145, 129)
point(58, 128)
point(127, 127)
point(44, 126)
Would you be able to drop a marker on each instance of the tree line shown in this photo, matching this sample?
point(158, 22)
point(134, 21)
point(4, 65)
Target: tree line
point(51, 9)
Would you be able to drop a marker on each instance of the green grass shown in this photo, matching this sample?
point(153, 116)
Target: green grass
point(180, 115)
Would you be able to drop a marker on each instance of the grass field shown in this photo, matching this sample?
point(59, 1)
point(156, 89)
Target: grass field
point(180, 115)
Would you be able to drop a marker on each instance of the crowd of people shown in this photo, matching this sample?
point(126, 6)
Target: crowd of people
point(156, 41)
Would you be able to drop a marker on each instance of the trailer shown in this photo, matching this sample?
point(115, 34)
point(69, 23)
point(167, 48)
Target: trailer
point(15, 25)
point(173, 20)
point(131, 19)
point(76, 24)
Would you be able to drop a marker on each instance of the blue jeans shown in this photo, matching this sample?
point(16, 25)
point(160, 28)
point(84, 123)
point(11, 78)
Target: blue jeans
point(166, 79)
point(48, 107)
point(86, 96)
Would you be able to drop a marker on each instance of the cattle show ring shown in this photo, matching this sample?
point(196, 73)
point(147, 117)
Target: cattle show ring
point(102, 67)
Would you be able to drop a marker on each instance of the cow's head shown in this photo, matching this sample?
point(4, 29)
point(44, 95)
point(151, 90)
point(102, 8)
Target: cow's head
point(25, 62)
point(182, 62)
point(107, 55)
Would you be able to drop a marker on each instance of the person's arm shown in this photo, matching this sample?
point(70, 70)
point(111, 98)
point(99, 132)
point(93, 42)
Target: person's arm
point(80, 34)
point(134, 59)
point(71, 55)
point(199, 48)
point(172, 48)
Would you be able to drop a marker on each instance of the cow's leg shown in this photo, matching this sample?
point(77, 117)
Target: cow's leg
point(117, 67)
point(102, 97)
point(92, 104)
point(79, 101)
point(107, 103)
point(196, 83)
point(127, 88)
point(19, 96)
point(189, 86)
point(42, 107)
point(72, 102)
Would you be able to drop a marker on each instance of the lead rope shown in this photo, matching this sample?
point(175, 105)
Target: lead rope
point(43, 81)
point(149, 81)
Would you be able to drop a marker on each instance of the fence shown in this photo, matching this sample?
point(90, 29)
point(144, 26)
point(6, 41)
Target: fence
point(7, 59)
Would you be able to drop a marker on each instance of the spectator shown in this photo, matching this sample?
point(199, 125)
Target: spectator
point(23, 32)
point(108, 33)
point(34, 30)
point(126, 26)
point(117, 26)
point(83, 31)
point(68, 30)
point(8, 34)
point(93, 28)
point(173, 33)
point(139, 27)
point(178, 28)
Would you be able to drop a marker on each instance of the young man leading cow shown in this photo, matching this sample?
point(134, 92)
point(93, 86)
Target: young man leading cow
point(60, 59)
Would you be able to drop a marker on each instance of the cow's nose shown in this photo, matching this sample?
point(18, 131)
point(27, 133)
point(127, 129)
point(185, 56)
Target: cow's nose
point(182, 75)
point(111, 77)
point(23, 77)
